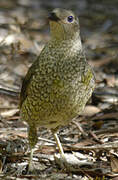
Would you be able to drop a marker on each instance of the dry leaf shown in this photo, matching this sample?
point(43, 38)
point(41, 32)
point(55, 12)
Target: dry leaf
point(90, 110)
point(114, 162)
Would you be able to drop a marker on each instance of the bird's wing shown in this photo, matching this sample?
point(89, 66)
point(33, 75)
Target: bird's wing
point(26, 82)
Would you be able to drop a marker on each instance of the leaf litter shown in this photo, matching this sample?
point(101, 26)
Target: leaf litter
point(91, 141)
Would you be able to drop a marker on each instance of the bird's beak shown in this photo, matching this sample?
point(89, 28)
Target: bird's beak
point(52, 17)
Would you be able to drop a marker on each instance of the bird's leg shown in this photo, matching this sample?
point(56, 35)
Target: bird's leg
point(32, 136)
point(58, 142)
point(30, 166)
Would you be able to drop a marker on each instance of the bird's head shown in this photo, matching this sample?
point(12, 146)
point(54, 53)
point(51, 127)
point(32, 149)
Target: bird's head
point(64, 24)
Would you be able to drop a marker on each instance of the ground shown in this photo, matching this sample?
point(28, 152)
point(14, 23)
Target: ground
point(93, 137)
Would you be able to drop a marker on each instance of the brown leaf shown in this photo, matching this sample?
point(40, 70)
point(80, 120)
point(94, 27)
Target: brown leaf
point(114, 162)
point(90, 110)
point(0, 166)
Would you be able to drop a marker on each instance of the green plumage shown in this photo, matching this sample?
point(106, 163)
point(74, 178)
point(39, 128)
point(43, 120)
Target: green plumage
point(60, 82)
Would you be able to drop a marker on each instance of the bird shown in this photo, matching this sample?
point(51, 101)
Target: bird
point(59, 83)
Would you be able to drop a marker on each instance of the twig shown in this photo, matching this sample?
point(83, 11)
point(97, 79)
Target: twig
point(80, 128)
point(110, 130)
point(95, 137)
point(105, 146)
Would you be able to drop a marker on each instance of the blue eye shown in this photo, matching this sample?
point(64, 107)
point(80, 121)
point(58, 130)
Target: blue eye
point(70, 18)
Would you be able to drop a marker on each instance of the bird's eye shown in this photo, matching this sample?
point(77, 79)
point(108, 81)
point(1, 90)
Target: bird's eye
point(70, 18)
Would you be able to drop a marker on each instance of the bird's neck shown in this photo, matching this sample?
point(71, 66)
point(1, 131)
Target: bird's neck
point(60, 37)
point(72, 45)
point(60, 33)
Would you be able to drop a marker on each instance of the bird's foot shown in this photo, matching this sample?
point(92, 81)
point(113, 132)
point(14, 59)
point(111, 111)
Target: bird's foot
point(70, 161)
point(30, 168)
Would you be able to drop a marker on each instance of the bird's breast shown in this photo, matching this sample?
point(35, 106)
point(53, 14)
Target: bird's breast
point(59, 89)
